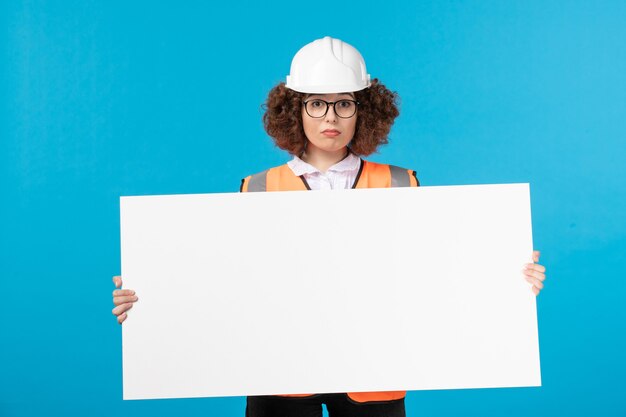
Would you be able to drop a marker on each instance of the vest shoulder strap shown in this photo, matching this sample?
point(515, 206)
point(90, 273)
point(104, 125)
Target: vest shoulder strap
point(280, 178)
point(375, 175)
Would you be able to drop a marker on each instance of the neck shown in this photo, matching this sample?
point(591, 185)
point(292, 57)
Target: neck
point(322, 159)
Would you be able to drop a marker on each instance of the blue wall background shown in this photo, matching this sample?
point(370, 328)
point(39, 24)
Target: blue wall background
point(102, 99)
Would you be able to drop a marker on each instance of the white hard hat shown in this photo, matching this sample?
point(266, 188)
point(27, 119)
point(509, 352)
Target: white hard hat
point(328, 65)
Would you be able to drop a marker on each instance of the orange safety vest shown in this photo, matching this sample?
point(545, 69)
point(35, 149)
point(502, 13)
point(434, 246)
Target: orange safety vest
point(370, 175)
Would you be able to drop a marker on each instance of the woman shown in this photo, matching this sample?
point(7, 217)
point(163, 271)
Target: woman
point(326, 115)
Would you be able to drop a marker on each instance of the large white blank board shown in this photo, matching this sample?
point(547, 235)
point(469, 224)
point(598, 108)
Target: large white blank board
point(337, 291)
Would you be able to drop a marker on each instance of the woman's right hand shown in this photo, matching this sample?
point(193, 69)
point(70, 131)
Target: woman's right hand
point(123, 299)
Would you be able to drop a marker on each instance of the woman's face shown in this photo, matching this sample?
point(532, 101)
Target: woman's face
point(329, 133)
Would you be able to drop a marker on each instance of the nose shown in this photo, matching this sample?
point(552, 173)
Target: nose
point(331, 116)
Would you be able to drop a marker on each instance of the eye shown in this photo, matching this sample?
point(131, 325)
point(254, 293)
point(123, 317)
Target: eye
point(346, 104)
point(316, 104)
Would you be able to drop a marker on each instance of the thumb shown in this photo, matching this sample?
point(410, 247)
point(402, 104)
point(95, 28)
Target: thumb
point(117, 280)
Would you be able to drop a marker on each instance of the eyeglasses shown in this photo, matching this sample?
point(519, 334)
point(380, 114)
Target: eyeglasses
point(317, 108)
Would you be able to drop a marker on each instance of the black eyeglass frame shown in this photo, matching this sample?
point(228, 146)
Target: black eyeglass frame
point(328, 103)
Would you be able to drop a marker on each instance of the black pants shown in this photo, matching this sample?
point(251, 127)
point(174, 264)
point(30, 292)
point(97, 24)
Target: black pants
point(338, 405)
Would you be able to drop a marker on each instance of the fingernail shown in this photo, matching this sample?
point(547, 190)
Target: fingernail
point(135, 298)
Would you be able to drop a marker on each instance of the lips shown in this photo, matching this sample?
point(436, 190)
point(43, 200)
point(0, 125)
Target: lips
point(330, 132)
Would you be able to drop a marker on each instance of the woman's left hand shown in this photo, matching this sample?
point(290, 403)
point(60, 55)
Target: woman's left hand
point(535, 273)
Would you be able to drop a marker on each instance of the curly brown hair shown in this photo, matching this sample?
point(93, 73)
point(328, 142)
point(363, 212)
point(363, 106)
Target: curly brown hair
point(378, 108)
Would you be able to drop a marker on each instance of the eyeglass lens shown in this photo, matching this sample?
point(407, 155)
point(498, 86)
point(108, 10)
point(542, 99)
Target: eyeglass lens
point(319, 108)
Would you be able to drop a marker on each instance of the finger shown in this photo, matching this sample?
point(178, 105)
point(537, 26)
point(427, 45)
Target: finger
point(535, 290)
point(117, 280)
point(121, 318)
point(536, 274)
point(125, 299)
point(537, 283)
point(122, 309)
point(535, 267)
point(536, 255)
point(117, 293)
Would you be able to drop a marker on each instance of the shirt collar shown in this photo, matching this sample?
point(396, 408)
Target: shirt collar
point(349, 163)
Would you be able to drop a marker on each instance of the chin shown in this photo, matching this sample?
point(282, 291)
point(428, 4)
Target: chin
point(330, 144)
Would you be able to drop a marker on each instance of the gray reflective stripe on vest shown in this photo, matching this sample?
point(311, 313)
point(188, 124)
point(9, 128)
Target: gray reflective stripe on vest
point(257, 182)
point(399, 177)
